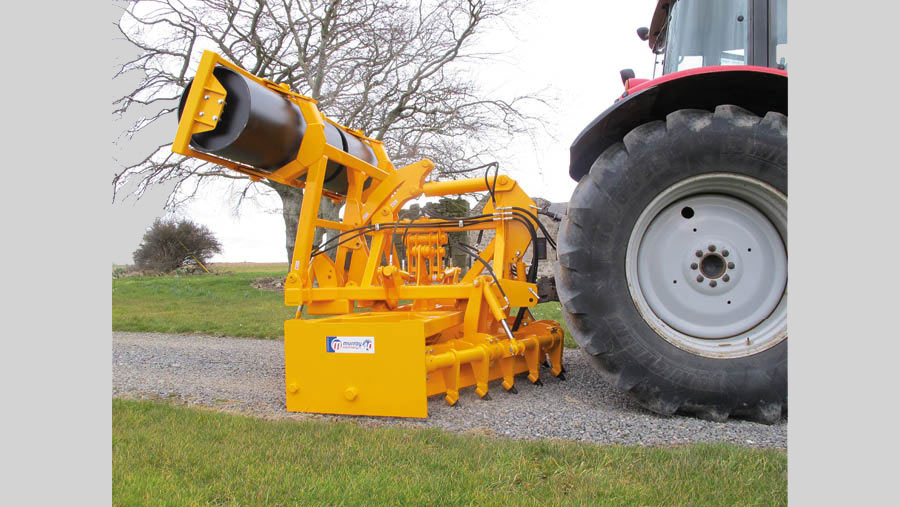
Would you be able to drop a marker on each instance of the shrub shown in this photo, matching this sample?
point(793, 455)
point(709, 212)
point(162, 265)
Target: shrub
point(170, 244)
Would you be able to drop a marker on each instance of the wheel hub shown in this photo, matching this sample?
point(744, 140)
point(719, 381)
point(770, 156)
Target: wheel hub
point(712, 266)
point(709, 270)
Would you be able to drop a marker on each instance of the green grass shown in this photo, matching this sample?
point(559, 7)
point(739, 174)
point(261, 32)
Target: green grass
point(210, 304)
point(272, 268)
point(165, 454)
point(223, 303)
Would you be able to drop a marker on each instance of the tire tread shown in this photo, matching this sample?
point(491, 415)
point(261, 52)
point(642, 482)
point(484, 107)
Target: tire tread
point(590, 245)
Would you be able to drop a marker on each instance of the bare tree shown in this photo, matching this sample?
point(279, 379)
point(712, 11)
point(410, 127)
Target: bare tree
point(395, 69)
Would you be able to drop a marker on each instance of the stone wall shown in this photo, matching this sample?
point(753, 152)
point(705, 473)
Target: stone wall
point(545, 267)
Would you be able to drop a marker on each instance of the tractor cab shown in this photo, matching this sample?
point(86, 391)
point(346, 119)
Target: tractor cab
point(686, 34)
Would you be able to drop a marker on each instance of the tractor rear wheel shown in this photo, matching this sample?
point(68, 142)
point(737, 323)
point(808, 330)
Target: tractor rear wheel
point(672, 266)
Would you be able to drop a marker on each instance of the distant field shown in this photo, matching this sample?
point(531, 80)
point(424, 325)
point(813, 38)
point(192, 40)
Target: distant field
point(235, 267)
point(177, 455)
point(250, 267)
point(223, 303)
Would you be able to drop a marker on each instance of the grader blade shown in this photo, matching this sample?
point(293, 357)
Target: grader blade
point(403, 323)
point(368, 365)
point(371, 363)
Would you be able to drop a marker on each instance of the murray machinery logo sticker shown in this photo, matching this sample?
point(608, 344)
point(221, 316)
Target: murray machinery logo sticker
point(350, 344)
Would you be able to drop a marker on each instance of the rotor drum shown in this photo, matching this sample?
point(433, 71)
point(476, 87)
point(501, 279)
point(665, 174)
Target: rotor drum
point(263, 129)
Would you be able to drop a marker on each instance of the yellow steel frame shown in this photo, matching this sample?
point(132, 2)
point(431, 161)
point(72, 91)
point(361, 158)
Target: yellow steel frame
point(461, 322)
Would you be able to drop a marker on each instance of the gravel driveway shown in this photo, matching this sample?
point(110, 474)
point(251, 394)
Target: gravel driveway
point(247, 376)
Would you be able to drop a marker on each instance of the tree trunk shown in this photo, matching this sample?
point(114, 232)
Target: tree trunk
point(291, 201)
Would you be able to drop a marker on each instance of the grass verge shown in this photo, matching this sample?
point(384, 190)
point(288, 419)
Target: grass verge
point(210, 304)
point(224, 303)
point(178, 455)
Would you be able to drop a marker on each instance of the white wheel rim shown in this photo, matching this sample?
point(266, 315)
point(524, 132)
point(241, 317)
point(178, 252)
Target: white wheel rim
point(730, 300)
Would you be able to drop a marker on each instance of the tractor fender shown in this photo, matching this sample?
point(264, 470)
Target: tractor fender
point(757, 89)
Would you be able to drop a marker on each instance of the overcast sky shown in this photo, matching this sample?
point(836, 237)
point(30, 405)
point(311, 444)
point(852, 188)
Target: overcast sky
point(571, 49)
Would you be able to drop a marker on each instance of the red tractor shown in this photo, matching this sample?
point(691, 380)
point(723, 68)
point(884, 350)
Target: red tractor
point(672, 268)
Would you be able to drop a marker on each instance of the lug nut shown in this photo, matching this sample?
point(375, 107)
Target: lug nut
point(699, 253)
point(693, 265)
point(730, 265)
point(713, 283)
point(712, 248)
point(699, 278)
point(724, 253)
point(726, 278)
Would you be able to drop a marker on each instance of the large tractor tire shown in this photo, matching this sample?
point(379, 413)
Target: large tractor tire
point(672, 266)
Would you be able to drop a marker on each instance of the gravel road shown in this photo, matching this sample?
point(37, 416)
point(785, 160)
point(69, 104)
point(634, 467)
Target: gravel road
point(247, 376)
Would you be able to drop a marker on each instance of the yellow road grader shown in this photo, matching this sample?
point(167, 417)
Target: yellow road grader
point(429, 329)
point(672, 269)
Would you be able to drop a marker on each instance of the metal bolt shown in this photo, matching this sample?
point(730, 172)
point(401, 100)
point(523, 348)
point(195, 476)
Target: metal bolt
point(724, 253)
point(215, 118)
point(713, 283)
point(206, 97)
point(693, 265)
point(712, 248)
point(201, 113)
point(699, 278)
point(220, 101)
point(699, 253)
point(730, 265)
point(726, 278)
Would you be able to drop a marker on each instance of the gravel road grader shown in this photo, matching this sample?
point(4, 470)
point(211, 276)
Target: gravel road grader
point(430, 328)
point(672, 263)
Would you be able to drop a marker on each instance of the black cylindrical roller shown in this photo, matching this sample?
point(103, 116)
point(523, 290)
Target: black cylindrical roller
point(262, 129)
point(354, 146)
point(257, 126)
point(336, 180)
